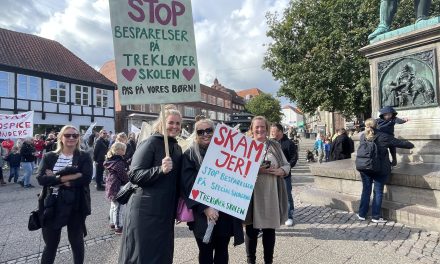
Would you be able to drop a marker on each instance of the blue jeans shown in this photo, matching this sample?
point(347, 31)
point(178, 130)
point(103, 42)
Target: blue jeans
point(367, 186)
point(28, 169)
point(14, 172)
point(288, 181)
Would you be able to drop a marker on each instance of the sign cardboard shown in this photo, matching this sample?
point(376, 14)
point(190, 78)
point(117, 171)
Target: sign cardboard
point(155, 51)
point(17, 126)
point(228, 172)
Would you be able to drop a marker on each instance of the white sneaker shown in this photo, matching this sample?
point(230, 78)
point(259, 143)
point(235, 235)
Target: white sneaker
point(289, 222)
point(379, 221)
point(360, 217)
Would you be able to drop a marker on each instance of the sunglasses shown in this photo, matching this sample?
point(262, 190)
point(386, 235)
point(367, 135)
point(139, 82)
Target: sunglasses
point(203, 132)
point(74, 136)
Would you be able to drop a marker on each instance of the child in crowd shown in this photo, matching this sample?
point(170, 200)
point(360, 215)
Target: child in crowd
point(117, 176)
point(327, 150)
point(385, 123)
point(14, 159)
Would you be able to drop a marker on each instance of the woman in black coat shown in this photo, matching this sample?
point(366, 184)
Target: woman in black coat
point(383, 141)
point(148, 235)
point(68, 172)
point(226, 226)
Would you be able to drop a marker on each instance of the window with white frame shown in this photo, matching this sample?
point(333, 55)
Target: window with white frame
point(58, 91)
point(82, 95)
point(227, 117)
point(220, 102)
point(228, 104)
point(139, 108)
point(212, 115)
point(5, 82)
point(211, 100)
point(189, 111)
point(204, 98)
point(101, 97)
point(205, 113)
point(220, 116)
point(28, 87)
point(154, 108)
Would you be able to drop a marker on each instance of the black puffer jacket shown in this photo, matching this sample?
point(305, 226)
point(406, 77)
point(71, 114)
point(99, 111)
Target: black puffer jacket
point(290, 151)
point(27, 151)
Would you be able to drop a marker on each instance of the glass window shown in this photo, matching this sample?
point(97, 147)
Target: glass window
point(204, 98)
point(101, 98)
point(228, 104)
point(212, 115)
point(82, 95)
point(28, 87)
point(227, 117)
point(212, 100)
point(58, 91)
point(4, 83)
point(220, 116)
point(220, 102)
point(189, 111)
point(140, 108)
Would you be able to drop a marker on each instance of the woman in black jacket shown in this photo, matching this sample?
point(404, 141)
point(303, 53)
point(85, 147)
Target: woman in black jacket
point(383, 141)
point(216, 251)
point(66, 171)
point(148, 235)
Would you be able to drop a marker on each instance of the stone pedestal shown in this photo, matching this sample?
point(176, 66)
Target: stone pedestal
point(404, 74)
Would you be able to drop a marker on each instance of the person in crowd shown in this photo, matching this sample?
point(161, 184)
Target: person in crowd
point(122, 137)
point(39, 144)
point(117, 169)
point(148, 235)
point(101, 148)
point(383, 141)
point(341, 147)
point(385, 123)
point(7, 144)
point(3, 153)
point(27, 153)
point(319, 148)
point(291, 154)
point(327, 150)
point(269, 205)
point(14, 159)
point(67, 171)
point(131, 147)
point(226, 226)
point(50, 143)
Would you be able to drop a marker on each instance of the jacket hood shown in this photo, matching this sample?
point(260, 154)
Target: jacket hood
point(110, 163)
point(387, 109)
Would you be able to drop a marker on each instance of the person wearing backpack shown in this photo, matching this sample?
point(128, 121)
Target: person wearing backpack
point(374, 165)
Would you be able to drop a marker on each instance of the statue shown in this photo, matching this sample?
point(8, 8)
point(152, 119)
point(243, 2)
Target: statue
point(388, 9)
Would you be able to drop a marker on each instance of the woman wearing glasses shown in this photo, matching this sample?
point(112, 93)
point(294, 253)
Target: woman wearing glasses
point(148, 235)
point(216, 251)
point(66, 172)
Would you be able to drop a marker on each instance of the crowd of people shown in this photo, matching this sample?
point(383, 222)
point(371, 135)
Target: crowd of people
point(67, 167)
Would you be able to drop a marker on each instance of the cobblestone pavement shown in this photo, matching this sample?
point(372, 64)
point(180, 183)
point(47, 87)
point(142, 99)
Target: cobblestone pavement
point(320, 235)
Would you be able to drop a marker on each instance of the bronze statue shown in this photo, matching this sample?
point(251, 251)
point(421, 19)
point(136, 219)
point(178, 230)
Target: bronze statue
point(388, 9)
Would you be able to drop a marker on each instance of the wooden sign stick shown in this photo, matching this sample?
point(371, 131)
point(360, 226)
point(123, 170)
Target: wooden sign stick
point(164, 129)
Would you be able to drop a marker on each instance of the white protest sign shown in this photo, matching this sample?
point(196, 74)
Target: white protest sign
point(89, 132)
point(135, 129)
point(17, 126)
point(228, 172)
point(155, 51)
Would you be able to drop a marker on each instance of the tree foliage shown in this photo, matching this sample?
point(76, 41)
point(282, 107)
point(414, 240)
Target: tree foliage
point(265, 105)
point(315, 54)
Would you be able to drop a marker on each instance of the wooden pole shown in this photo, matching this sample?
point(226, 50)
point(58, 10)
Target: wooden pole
point(164, 129)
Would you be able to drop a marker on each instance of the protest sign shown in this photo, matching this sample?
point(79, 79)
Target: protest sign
point(155, 52)
point(17, 126)
point(228, 172)
point(88, 132)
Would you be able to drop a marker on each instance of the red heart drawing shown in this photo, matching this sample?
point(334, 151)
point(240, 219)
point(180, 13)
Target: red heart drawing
point(129, 74)
point(188, 73)
point(195, 193)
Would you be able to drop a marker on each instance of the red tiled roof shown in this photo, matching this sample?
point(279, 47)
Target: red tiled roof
point(293, 108)
point(33, 53)
point(251, 91)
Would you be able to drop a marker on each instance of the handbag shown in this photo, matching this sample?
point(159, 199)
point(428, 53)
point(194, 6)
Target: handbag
point(125, 193)
point(34, 220)
point(183, 213)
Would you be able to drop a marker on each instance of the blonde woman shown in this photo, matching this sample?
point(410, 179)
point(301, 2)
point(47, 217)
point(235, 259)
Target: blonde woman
point(269, 206)
point(148, 235)
point(383, 142)
point(68, 172)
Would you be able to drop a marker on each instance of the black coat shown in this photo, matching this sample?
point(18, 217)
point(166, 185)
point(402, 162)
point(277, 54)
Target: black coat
point(80, 186)
point(290, 151)
point(27, 152)
point(148, 235)
point(226, 225)
point(383, 142)
point(101, 148)
point(341, 148)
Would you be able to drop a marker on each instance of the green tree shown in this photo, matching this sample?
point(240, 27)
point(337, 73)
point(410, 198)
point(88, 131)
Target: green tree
point(265, 105)
point(315, 53)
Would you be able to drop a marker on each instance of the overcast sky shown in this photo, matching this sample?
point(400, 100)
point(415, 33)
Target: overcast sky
point(230, 34)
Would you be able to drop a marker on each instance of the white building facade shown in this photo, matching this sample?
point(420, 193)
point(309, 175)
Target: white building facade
point(292, 116)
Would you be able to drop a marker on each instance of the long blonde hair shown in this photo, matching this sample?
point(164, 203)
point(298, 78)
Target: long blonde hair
point(169, 110)
point(370, 125)
point(60, 144)
point(249, 133)
point(195, 147)
point(114, 148)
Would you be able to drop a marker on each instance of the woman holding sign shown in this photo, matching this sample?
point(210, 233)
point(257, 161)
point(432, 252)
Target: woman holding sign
point(148, 235)
point(216, 251)
point(268, 207)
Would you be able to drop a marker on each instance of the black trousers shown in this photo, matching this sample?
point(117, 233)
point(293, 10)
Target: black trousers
point(75, 232)
point(251, 240)
point(215, 251)
point(99, 174)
